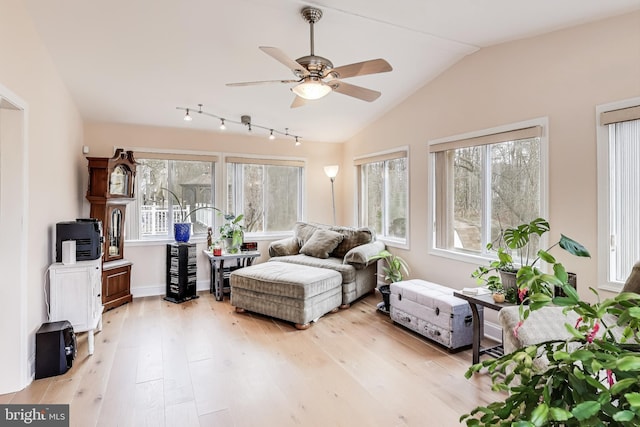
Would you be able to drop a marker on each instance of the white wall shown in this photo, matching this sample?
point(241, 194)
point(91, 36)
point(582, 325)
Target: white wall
point(54, 140)
point(563, 76)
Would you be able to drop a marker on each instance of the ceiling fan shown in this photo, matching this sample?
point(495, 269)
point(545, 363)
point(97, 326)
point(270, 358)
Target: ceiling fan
point(316, 76)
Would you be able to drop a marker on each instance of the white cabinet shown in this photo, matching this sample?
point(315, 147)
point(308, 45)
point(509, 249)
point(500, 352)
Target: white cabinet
point(75, 295)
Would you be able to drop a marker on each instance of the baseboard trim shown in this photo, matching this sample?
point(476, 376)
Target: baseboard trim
point(493, 331)
point(155, 290)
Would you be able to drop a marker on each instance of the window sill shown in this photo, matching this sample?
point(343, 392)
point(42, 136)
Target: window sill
point(465, 257)
point(394, 243)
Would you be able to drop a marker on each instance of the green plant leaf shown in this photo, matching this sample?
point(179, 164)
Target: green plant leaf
point(540, 414)
point(559, 414)
point(622, 385)
point(546, 256)
point(585, 410)
point(633, 399)
point(629, 363)
point(573, 247)
point(624, 416)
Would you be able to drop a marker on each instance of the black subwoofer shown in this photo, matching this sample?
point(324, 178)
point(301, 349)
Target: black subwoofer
point(56, 348)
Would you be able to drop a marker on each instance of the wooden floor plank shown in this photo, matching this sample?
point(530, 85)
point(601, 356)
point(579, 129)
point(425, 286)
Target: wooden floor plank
point(200, 363)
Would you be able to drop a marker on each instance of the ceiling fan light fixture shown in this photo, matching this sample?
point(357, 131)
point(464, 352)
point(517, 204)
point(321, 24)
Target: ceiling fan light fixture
point(311, 89)
point(222, 125)
point(187, 117)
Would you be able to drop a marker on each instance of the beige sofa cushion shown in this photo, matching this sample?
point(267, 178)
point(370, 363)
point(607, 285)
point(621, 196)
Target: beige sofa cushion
point(321, 243)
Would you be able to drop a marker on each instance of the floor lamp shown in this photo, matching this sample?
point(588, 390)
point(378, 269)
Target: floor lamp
point(332, 172)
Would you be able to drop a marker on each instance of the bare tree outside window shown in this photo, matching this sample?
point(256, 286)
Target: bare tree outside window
point(269, 196)
point(157, 210)
point(498, 185)
point(384, 198)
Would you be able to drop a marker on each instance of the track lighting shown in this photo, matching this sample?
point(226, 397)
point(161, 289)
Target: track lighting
point(245, 120)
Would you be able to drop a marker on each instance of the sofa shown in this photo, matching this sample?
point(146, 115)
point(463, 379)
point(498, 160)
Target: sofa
point(346, 250)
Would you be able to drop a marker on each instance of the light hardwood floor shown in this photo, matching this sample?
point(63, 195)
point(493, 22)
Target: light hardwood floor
point(201, 364)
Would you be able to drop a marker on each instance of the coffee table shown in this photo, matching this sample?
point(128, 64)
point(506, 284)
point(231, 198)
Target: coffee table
point(485, 300)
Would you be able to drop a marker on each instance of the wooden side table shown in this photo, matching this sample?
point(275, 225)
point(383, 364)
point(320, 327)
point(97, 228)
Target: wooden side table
point(219, 269)
point(485, 300)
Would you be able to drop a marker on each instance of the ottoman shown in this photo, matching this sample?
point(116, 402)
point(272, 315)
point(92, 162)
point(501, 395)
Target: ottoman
point(291, 292)
point(432, 311)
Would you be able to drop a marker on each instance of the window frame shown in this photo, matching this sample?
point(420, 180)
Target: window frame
point(230, 158)
point(604, 185)
point(468, 257)
point(172, 155)
point(386, 155)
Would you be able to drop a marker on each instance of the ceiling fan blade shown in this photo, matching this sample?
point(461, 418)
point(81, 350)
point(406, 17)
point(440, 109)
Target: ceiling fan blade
point(373, 66)
point(261, 82)
point(356, 91)
point(282, 57)
point(298, 101)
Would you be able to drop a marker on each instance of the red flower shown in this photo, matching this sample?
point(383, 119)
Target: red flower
point(578, 322)
point(522, 293)
point(515, 329)
point(610, 377)
point(591, 335)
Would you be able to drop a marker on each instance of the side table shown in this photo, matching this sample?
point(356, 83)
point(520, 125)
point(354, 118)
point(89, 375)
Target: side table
point(221, 265)
point(485, 300)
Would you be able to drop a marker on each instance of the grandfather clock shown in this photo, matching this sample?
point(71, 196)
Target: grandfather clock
point(111, 187)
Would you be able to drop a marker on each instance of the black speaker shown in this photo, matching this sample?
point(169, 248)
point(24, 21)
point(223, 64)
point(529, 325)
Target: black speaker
point(56, 347)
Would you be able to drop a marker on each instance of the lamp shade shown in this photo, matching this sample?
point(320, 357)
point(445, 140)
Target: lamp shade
point(331, 171)
point(311, 89)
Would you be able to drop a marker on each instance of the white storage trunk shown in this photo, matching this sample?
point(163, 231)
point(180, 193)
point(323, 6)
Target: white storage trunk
point(432, 311)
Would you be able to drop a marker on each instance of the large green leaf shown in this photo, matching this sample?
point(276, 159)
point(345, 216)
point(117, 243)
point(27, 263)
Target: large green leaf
point(623, 385)
point(624, 416)
point(633, 399)
point(559, 414)
point(573, 247)
point(540, 414)
point(585, 410)
point(629, 363)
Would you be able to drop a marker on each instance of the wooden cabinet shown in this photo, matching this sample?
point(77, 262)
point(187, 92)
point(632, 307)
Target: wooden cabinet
point(111, 187)
point(75, 295)
point(116, 279)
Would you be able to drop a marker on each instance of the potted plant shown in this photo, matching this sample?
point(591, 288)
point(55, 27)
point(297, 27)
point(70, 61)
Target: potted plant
point(590, 379)
point(393, 269)
point(182, 229)
point(232, 232)
point(517, 277)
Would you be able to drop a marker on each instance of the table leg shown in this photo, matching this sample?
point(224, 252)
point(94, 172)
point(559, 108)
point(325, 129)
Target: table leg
point(212, 279)
point(220, 281)
point(90, 341)
point(477, 328)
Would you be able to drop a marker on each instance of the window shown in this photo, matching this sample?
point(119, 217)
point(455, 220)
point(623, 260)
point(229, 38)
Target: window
point(619, 187)
point(383, 195)
point(484, 183)
point(268, 193)
point(154, 211)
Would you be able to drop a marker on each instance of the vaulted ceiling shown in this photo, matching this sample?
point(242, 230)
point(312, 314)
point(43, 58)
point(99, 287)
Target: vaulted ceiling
point(136, 61)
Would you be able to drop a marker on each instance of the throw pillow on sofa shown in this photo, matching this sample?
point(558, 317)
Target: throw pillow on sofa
point(321, 243)
point(353, 237)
